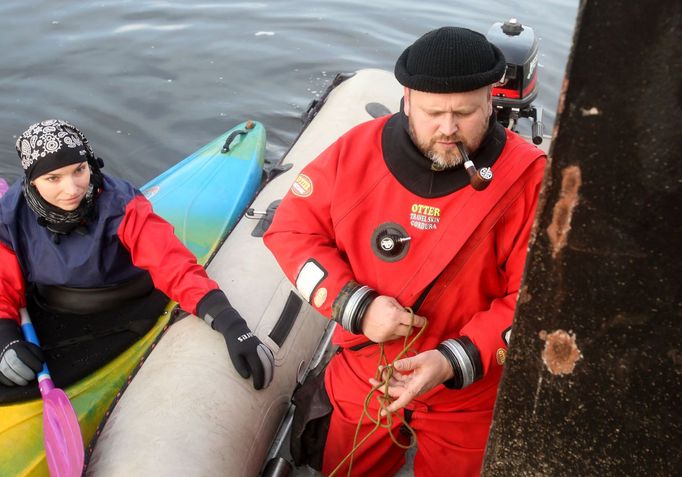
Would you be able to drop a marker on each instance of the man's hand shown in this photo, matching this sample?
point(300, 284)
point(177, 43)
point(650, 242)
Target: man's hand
point(386, 320)
point(414, 376)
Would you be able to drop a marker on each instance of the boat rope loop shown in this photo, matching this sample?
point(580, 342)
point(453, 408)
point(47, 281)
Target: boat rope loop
point(383, 374)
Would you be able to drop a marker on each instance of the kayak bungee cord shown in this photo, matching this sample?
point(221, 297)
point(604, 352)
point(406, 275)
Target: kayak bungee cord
point(384, 374)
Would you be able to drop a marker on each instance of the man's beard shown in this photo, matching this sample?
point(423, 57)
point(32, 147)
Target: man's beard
point(450, 157)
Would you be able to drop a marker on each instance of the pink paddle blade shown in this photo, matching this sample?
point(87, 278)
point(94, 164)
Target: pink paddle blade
point(3, 186)
point(62, 434)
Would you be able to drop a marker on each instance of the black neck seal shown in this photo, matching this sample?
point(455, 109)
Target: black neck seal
point(413, 170)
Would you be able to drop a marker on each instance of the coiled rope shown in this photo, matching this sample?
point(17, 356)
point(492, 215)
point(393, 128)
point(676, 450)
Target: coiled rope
point(383, 374)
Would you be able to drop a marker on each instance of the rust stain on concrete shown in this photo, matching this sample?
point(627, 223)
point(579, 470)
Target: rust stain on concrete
point(561, 352)
point(563, 209)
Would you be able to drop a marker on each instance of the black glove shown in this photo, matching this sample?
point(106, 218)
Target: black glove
point(249, 356)
point(20, 360)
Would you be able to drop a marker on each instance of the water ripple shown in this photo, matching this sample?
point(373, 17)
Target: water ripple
point(149, 81)
point(148, 26)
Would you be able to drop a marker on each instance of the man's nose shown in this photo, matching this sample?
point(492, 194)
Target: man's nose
point(448, 125)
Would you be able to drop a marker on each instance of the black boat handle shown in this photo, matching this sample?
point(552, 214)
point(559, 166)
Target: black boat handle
point(234, 134)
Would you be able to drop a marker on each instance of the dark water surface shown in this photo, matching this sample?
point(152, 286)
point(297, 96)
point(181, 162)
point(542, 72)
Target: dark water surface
point(151, 81)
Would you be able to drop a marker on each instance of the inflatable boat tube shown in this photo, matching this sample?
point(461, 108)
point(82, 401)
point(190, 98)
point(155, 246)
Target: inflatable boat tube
point(188, 412)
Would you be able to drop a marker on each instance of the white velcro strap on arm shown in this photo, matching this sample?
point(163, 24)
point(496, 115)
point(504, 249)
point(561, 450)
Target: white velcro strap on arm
point(310, 276)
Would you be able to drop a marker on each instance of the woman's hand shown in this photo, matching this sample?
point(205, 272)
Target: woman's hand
point(20, 361)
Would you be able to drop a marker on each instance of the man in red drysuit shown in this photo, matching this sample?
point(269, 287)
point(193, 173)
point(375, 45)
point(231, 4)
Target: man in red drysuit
point(387, 218)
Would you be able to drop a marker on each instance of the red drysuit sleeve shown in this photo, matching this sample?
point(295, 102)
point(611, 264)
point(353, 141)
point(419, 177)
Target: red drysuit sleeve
point(154, 247)
point(301, 236)
point(487, 329)
point(12, 286)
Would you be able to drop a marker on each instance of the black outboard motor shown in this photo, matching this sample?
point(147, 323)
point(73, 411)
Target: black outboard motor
point(513, 96)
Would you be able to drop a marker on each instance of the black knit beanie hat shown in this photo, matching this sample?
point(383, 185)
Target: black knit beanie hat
point(450, 60)
point(50, 145)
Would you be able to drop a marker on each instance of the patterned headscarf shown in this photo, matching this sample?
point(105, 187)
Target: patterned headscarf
point(50, 145)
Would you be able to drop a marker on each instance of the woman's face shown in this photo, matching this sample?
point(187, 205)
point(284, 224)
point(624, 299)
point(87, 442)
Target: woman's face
point(64, 187)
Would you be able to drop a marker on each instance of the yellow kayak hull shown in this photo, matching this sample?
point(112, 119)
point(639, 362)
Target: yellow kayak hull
point(21, 424)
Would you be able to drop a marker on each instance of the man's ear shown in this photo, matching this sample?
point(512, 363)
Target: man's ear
point(406, 100)
point(490, 100)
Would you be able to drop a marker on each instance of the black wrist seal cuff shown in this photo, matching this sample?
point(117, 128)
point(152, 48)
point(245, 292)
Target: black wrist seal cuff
point(211, 305)
point(465, 359)
point(350, 306)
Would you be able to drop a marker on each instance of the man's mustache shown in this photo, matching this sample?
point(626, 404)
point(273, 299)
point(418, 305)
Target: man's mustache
point(444, 138)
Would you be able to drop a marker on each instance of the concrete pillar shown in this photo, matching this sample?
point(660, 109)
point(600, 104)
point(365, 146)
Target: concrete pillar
point(592, 382)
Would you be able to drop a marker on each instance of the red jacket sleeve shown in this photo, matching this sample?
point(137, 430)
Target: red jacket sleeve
point(487, 329)
point(301, 236)
point(12, 286)
point(154, 247)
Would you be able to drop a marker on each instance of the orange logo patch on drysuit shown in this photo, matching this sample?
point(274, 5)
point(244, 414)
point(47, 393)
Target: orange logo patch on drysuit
point(302, 186)
point(424, 217)
point(501, 356)
point(320, 297)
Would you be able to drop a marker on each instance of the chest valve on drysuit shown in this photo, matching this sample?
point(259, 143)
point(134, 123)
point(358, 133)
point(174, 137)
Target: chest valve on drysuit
point(390, 242)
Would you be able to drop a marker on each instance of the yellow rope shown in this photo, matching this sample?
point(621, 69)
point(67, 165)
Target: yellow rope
point(383, 374)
